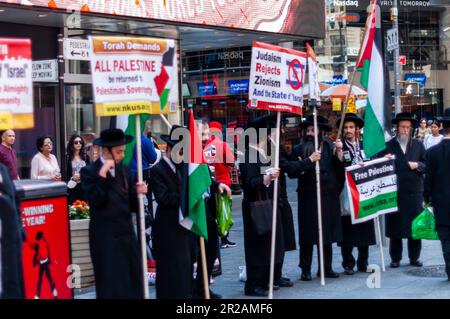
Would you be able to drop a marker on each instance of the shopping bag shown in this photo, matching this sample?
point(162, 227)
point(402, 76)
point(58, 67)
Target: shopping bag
point(224, 217)
point(423, 226)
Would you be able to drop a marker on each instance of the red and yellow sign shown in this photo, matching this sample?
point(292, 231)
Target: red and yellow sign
point(16, 86)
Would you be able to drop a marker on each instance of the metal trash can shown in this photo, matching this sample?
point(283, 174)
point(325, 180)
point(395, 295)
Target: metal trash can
point(46, 251)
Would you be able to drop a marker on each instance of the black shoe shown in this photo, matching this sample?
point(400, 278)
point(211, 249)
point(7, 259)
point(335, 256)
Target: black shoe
point(275, 286)
point(331, 274)
point(349, 271)
point(284, 282)
point(395, 264)
point(306, 276)
point(416, 263)
point(257, 292)
point(227, 244)
point(362, 269)
point(213, 295)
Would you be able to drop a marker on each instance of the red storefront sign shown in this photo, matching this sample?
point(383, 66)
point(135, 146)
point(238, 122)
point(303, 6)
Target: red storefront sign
point(46, 251)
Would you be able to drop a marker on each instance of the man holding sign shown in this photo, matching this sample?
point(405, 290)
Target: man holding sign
point(362, 235)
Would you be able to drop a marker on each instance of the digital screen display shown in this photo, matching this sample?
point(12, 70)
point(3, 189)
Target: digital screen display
point(238, 86)
point(208, 88)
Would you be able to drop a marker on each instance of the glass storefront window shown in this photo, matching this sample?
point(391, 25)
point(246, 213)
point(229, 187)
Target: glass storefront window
point(79, 109)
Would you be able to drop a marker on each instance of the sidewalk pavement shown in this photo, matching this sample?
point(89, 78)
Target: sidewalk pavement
point(398, 283)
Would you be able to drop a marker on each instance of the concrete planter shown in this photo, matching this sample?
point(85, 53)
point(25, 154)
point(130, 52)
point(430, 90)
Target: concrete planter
point(81, 255)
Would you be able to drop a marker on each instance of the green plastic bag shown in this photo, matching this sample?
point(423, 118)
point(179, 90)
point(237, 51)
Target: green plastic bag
point(224, 216)
point(423, 226)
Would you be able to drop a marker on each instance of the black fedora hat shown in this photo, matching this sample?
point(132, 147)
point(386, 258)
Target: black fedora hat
point(113, 137)
point(351, 117)
point(322, 122)
point(168, 137)
point(405, 116)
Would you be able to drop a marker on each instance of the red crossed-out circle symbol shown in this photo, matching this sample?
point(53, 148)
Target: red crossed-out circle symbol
point(293, 70)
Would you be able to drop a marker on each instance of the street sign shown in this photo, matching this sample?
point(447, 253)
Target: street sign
point(76, 49)
point(45, 71)
point(402, 59)
point(392, 39)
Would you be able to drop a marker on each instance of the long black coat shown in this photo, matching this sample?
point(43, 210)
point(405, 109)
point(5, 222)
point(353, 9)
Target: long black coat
point(361, 234)
point(286, 164)
point(172, 243)
point(113, 242)
point(11, 281)
point(307, 197)
point(258, 247)
point(410, 187)
point(437, 176)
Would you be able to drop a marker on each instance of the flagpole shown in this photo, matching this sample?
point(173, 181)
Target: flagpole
point(319, 200)
point(274, 209)
point(377, 221)
point(344, 110)
point(141, 208)
point(204, 270)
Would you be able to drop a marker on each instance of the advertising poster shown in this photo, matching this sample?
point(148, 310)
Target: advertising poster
point(46, 251)
point(16, 84)
point(276, 78)
point(134, 75)
point(372, 189)
point(296, 17)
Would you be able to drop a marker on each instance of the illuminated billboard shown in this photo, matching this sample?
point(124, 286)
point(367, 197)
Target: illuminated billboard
point(297, 17)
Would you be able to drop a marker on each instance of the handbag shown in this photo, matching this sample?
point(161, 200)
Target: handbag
point(261, 212)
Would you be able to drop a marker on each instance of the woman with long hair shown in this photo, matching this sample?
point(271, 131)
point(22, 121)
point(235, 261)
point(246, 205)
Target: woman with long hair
point(76, 160)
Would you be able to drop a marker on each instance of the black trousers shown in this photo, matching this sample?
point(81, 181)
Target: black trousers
point(212, 252)
point(444, 236)
point(396, 249)
point(348, 261)
point(44, 269)
point(259, 276)
point(306, 254)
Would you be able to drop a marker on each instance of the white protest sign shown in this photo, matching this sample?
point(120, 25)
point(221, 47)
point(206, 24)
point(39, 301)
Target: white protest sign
point(276, 78)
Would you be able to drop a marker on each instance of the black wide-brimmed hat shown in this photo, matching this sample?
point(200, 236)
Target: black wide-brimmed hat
point(405, 116)
point(351, 117)
point(168, 138)
point(322, 123)
point(113, 137)
point(266, 121)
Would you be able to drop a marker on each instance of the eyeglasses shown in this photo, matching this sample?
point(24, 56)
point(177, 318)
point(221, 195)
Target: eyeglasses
point(77, 142)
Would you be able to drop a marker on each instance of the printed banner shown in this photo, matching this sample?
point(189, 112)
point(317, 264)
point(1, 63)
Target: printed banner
point(297, 17)
point(134, 75)
point(372, 189)
point(16, 85)
point(46, 251)
point(276, 78)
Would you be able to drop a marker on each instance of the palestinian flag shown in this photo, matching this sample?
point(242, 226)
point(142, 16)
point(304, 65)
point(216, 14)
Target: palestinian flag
point(196, 183)
point(127, 123)
point(375, 79)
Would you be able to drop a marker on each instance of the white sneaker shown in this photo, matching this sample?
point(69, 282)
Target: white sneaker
point(55, 293)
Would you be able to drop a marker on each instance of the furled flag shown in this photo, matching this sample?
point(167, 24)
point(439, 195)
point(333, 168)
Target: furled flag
point(313, 74)
point(374, 78)
point(198, 178)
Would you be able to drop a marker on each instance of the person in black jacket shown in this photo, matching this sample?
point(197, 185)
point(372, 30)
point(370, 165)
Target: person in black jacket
point(112, 197)
point(11, 235)
point(360, 235)
point(437, 190)
point(76, 160)
point(307, 197)
point(409, 167)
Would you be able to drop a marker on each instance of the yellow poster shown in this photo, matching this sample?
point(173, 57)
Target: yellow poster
point(336, 104)
point(351, 106)
point(134, 75)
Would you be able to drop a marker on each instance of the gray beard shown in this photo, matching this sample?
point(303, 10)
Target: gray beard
point(403, 140)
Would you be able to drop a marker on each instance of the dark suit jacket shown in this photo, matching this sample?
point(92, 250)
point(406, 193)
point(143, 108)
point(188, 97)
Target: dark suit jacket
point(437, 177)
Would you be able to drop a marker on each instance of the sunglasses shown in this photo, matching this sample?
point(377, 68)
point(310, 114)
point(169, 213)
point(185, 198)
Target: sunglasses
point(77, 142)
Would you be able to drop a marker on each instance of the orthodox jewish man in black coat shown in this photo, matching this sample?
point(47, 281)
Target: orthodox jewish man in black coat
point(409, 167)
point(112, 197)
point(307, 197)
point(437, 188)
point(362, 235)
